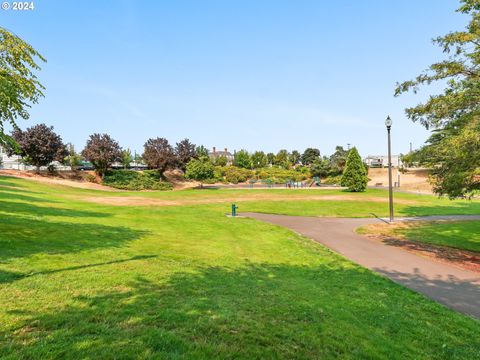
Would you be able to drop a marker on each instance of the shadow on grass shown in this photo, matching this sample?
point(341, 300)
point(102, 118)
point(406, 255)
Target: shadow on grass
point(8, 276)
point(17, 208)
point(464, 295)
point(439, 251)
point(257, 311)
point(456, 234)
point(4, 181)
point(9, 191)
point(457, 207)
point(24, 236)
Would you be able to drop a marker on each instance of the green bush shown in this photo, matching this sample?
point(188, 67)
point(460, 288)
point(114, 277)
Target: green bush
point(332, 180)
point(136, 180)
point(91, 178)
point(280, 176)
point(237, 175)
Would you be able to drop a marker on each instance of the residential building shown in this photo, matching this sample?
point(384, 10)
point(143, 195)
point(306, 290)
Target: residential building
point(15, 162)
point(380, 161)
point(216, 153)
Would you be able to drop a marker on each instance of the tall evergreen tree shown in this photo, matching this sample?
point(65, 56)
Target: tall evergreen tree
point(355, 174)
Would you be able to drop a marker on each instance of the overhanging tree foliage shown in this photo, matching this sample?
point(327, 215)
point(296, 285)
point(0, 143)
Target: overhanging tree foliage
point(453, 150)
point(355, 174)
point(19, 86)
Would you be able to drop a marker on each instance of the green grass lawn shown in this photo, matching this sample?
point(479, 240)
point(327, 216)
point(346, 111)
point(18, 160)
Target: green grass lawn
point(458, 234)
point(85, 280)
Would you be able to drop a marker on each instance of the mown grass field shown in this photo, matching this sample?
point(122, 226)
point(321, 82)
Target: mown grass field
point(463, 235)
point(85, 279)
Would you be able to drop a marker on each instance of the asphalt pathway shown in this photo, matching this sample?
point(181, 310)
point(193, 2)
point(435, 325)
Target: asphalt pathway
point(456, 288)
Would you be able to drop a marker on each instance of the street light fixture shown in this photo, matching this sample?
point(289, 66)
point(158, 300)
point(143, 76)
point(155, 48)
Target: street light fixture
point(388, 124)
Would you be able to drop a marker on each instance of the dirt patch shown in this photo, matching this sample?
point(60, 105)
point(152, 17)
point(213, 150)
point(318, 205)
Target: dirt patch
point(66, 178)
point(464, 259)
point(141, 201)
point(412, 180)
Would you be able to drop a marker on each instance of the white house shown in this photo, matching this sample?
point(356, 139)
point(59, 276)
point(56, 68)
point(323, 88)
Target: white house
point(14, 162)
point(381, 161)
point(11, 162)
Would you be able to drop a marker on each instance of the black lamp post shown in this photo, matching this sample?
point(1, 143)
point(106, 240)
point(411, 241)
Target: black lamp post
point(388, 124)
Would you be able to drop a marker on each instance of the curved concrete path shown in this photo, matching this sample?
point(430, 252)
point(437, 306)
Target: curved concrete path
point(456, 288)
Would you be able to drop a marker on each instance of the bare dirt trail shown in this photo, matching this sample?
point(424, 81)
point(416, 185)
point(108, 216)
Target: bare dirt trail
point(456, 288)
point(56, 180)
point(144, 201)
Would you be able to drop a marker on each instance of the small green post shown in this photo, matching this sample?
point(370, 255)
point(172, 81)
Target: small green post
point(234, 210)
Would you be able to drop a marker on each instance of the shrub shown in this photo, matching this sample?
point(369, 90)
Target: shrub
point(332, 180)
point(91, 178)
point(135, 180)
point(280, 176)
point(236, 175)
point(200, 169)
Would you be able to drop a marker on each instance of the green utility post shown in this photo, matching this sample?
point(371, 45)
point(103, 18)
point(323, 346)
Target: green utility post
point(234, 210)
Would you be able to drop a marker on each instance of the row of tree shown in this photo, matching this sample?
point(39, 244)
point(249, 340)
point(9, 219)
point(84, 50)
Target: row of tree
point(320, 165)
point(39, 146)
point(353, 170)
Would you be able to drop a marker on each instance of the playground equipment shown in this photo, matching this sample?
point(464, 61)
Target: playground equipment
point(316, 181)
point(294, 184)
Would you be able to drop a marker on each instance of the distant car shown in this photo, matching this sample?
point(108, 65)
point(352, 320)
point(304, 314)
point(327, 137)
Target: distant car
point(85, 166)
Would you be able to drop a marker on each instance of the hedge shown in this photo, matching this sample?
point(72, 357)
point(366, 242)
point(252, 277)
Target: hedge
point(136, 180)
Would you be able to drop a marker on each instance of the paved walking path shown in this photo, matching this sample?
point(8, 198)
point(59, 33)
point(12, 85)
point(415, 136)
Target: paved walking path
point(456, 288)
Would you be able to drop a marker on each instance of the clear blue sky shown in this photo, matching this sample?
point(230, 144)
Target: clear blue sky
point(250, 74)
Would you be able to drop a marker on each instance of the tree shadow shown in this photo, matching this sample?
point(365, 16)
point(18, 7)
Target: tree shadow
point(7, 182)
point(20, 195)
point(14, 188)
point(257, 311)
point(9, 276)
point(466, 207)
point(462, 295)
point(20, 208)
point(439, 251)
point(23, 236)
